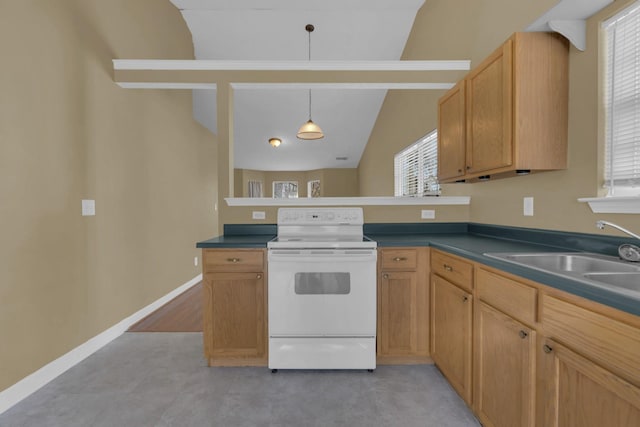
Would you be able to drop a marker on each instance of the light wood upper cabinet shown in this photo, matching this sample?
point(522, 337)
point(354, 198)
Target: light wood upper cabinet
point(403, 305)
point(489, 112)
point(234, 307)
point(515, 111)
point(451, 133)
point(451, 309)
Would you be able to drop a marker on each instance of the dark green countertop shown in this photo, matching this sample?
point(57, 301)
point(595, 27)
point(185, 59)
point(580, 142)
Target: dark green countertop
point(248, 241)
point(471, 241)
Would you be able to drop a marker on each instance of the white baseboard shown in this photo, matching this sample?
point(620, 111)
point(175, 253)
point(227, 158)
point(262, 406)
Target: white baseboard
point(42, 376)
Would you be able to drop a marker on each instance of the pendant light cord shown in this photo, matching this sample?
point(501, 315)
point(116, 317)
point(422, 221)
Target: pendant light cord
point(309, 30)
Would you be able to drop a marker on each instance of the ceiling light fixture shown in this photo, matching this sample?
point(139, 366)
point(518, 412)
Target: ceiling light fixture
point(275, 142)
point(310, 130)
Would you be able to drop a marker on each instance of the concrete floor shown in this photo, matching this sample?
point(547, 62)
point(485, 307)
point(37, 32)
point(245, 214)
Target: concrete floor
point(161, 379)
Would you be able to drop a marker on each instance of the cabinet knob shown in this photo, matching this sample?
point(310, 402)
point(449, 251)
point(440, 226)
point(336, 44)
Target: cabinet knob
point(547, 349)
point(258, 276)
point(459, 170)
point(398, 259)
point(448, 267)
point(233, 260)
point(468, 167)
point(523, 334)
point(465, 298)
point(385, 276)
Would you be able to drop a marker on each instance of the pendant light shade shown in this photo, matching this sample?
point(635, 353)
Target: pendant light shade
point(310, 130)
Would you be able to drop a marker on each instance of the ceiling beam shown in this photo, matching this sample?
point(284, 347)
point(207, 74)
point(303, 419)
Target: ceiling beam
point(213, 65)
point(358, 74)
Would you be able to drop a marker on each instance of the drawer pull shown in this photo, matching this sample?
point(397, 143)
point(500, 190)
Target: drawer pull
point(523, 334)
point(258, 276)
point(233, 260)
point(448, 267)
point(385, 276)
point(398, 259)
point(547, 349)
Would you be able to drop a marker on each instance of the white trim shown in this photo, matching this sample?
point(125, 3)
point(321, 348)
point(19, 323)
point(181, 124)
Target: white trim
point(164, 85)
point(383, 86)
point(622, 205)
point(349, 201)
point(50, 371)
point(289, 5)
point(239, 65)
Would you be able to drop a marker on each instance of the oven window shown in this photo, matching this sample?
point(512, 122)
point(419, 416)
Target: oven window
point(322, 283)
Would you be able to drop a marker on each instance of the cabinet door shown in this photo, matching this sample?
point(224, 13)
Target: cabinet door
point(234, 316)
point(398, 314)
point(451, 334)
point(576, 392)
point(489, 111)
point(504, 374)
point(451, 134)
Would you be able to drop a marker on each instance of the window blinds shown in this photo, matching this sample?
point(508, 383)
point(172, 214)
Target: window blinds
point(416, 168)
point(622, 99)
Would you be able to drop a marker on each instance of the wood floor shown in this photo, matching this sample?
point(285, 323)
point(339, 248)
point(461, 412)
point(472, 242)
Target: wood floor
point(181, 314)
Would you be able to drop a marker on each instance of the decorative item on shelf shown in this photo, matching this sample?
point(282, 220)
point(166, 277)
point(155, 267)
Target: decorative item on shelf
point(310, 130)
point(275, 142)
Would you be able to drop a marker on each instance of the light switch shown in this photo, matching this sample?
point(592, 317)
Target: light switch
point(258, 215)
point(88, 207)
point(528, 206)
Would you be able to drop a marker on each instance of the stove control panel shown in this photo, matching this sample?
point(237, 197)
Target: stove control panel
point(320, 216)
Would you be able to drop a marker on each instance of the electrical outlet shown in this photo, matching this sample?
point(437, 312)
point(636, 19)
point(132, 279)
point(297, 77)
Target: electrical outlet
point(528, 206)
point(195, 261)
point(428, 214)
point(258, 215)
point(88, 207)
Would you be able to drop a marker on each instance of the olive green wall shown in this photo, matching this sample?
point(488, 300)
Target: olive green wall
point(68, 132)
point(480, 27)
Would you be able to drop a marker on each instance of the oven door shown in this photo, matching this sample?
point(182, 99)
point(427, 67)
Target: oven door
point(322, 292)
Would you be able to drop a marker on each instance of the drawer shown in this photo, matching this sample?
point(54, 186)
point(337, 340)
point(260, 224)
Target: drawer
point(233, 260)
point(453, 269)
point(399, 259)
point(608, 342)
point(513, 298)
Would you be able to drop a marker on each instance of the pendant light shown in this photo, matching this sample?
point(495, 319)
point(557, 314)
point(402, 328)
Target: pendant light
point(310, 130)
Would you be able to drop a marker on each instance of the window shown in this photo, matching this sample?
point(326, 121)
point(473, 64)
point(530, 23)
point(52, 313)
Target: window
point(285, 189)
point(255, 188)
point(622, 102)
point(313, 188)
point(416, 168)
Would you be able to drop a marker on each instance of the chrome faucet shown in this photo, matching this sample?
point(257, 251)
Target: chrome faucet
point(627, 252)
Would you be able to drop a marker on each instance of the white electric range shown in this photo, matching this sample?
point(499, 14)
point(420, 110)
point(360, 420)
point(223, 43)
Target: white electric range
point(322, 291)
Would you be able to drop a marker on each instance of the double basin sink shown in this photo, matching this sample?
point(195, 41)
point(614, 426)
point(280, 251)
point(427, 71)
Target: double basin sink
point(591, 269)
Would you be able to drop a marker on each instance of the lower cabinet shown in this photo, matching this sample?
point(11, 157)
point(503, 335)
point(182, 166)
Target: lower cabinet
point(451, 309)
point(541, 357)
point(234, 309)
point(576, 392)
point(504, 369)
point(588, 366)
point(403, 306)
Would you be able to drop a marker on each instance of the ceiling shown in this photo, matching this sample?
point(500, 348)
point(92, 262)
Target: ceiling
point(345, 30)
point(275, 30)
